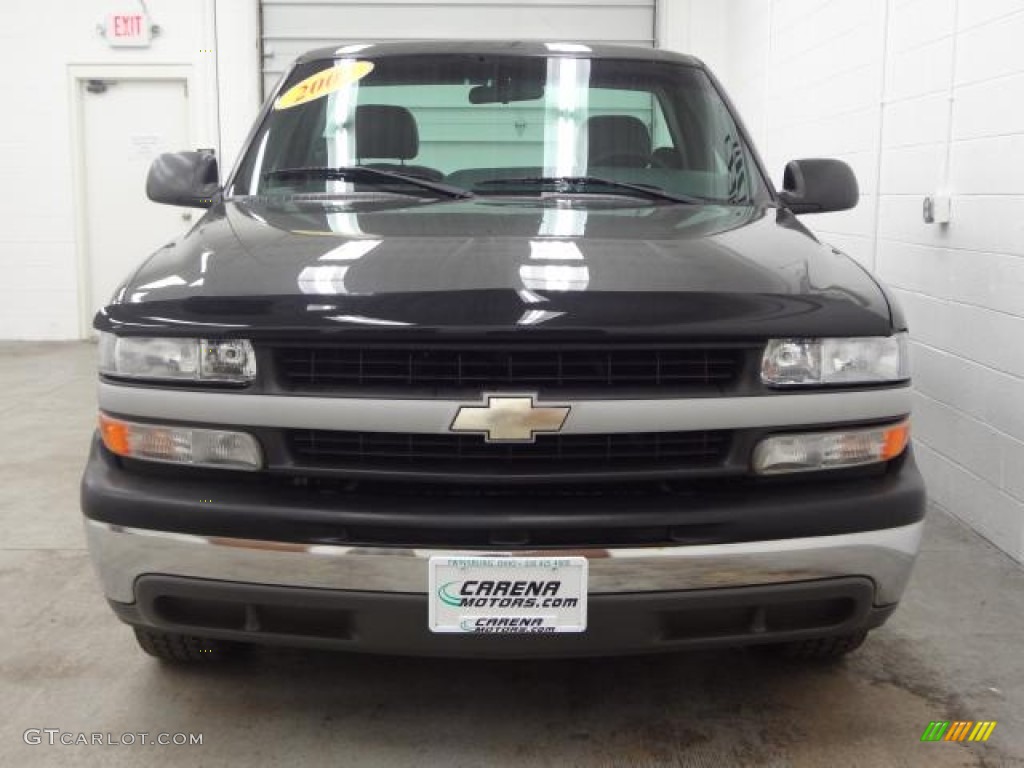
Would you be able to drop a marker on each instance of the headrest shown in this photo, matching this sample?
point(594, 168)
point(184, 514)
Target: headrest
point(617, 135)
point(385, 131)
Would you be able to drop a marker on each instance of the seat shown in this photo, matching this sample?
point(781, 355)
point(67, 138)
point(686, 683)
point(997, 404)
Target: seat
point(618, 140)
point(387, 132)
point(667, 157)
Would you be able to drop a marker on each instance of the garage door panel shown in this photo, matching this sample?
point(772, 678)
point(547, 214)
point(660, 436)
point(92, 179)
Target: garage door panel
point(292, 27)
point(607, 22)
point(442, 6)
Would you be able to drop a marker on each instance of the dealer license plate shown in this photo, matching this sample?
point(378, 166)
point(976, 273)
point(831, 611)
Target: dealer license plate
point(508, 595)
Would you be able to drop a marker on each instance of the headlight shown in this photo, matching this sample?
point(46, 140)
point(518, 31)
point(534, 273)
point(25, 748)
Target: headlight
point(133, 357)
point(811, 362)
point(180, 445)
point(830, 450)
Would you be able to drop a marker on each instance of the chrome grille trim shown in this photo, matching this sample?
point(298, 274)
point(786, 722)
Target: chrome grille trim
point(434, 416)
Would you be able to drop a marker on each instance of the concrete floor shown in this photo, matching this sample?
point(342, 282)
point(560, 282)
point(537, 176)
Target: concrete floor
point(953, 651)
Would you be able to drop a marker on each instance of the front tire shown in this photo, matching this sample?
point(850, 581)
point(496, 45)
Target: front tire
point(822, 648)
point(168, 646)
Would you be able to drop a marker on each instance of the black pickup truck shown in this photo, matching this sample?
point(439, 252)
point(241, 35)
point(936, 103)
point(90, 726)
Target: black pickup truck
point(501, 349)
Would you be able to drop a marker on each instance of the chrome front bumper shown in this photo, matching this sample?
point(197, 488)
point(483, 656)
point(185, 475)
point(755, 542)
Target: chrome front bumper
point(123, 554)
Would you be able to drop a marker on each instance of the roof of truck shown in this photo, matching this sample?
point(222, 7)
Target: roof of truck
point(505, 47)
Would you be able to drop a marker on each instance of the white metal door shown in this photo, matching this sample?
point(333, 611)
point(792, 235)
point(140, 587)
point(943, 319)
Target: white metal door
point(125, 124)
point(291, 27)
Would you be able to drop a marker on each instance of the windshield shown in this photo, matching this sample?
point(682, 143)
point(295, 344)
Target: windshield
point(501, 125)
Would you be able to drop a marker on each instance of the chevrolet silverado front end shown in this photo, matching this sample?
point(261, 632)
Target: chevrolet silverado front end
point(501, 349)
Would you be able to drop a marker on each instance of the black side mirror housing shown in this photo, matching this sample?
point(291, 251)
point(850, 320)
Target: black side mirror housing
point(187, 179)
point(819, 186)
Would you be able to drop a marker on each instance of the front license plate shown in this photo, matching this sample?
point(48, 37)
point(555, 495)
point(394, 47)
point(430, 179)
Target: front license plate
point(508, 595)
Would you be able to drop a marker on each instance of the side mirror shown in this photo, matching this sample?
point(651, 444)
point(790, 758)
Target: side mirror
point(819, 186)
point(183, 178)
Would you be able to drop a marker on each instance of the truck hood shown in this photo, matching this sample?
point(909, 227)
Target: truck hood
point(577, 267)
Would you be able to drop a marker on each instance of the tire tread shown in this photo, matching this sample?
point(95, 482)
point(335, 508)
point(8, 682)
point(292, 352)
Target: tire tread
point(174, 647)
point(824, 648)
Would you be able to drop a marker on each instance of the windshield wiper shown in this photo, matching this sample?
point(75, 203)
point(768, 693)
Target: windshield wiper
point(365, 174)
point(572, 183)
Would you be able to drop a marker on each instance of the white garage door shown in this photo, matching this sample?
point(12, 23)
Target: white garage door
point(291, 27)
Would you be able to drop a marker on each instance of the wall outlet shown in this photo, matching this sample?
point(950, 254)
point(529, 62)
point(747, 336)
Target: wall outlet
point(938, 208)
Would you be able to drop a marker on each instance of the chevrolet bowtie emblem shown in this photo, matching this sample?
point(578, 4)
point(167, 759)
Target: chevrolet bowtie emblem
point(510, 419)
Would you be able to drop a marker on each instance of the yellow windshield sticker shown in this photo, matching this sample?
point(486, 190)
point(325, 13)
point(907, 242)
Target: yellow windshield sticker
point(324, 82)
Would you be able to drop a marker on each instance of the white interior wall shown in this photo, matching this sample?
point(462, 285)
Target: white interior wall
point(696, 27)
point(237, 32)
point(40, 40)
point(916, 95)
point(954, 116)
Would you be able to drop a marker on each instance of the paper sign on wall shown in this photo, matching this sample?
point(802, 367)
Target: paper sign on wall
point(145, 147)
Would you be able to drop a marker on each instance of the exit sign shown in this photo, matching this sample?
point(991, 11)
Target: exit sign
point(128, 30)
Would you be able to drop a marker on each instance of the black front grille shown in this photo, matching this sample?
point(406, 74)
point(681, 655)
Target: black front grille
point(550, 454)
point(324, 368)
